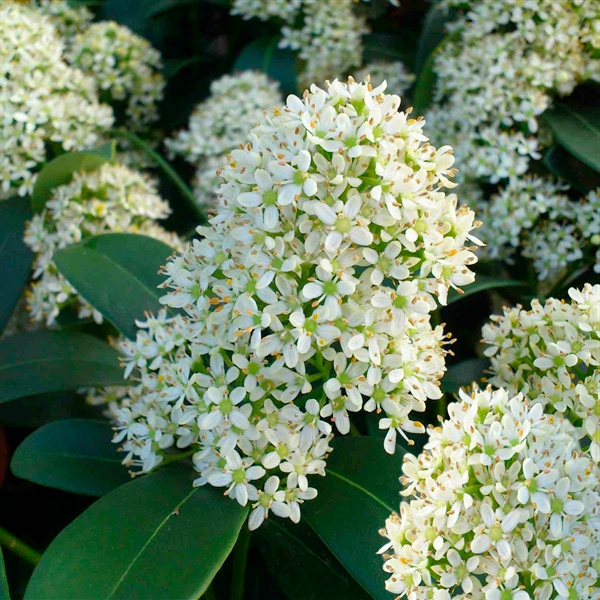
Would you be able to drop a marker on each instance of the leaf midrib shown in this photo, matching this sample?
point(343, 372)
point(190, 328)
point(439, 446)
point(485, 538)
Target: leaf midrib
point(360, 488)
point(12, 365)
point(143, 548)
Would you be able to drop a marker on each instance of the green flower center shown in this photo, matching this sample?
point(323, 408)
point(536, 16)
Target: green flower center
point(253, 368)
point(270, 198)
point(238, 476)
point(556, 505)
point(329, 288)
point(310, 325)
point(496, 533)
point(226, 406)
point(343, 225)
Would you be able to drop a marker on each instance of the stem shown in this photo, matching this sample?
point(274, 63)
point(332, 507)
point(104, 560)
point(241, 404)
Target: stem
point(163, 164)
point(240, 559)
point(169, 458)
point(8, 540)
point(442, 406)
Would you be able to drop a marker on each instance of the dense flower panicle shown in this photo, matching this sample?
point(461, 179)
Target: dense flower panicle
point(111, 199)
point(505, 506)
point(534, 217)
point(68, 20)
point(126, 68)
point(552, 354)
point(42, 99)
point(221, 123)
point(395, 73)
point(307, 299)
point(506, 62)
point(329, 41)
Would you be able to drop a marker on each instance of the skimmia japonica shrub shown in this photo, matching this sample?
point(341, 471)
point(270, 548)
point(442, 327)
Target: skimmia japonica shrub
point(308, 298)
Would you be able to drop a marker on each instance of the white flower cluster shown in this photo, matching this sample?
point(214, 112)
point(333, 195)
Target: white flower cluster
point(500, 72)
point(111, 199)
point(329, 40)
point(266, 9)
point(310, 292)
point(43, 101)
point(532, 216)
point(222, 123)
point(395, 73)
point(505, 506)
point(69, 20)
point(552, 354)
point(126, 68)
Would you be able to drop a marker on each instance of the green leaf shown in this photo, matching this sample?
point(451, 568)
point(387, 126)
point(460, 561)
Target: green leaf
point(464, 373)
point(389, 47)
point(566, 166)
point(263, 55)
point(483, 282)
point(117, 273)
point(60, 171)
point(154, 537)
point(577, 128)
point(4, 591)
point(53, 361)
point(357, 495)
point(15, 256)
point(74, 455)
point(433, 32)
point(293, 550)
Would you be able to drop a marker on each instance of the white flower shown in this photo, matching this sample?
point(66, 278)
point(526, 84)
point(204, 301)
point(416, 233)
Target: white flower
point(237, 474)
point(468, 528)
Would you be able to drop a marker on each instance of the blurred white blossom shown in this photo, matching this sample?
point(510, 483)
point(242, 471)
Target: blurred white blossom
point(394, 72)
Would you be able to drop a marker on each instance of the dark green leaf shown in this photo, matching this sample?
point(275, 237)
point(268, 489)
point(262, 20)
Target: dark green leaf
point(60, 171)
point(389, 47)
point(576, 127)
point(566, 166)
point(15, 256)
point(263, 55)
point(293, 550)
point(482, 282)
point(433, 32)
point(357, 495)
point(156, 537)
point(4, 592)
point(75, 455)
point(117, 273)
point(463, 373)
point(160, 7)
point(35, 411)
point(53, 361)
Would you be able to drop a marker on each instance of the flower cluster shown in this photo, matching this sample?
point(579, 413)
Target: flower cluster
point(126, 68)
point(221, 123)
point(395, 73)
point(329, 40)
point(307, 299)
point(43, 101)
point(505, 506)
point(501, 70)
point(111, 199)
point(552, 354)
point(532, 216)
point(266, 9)
point(68, 20)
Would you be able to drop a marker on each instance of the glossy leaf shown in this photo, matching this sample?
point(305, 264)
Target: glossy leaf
point(463, 373)
point(156, 536)
point(357, 495)
point(117, 273)
point(263, 55)
point(566, 166)
point(15, 256)
point(293, 550)
point(4, 591)
point(60, 171)
point(482, 282)
point(75, 455)
point(53, 361)
point(577, 129)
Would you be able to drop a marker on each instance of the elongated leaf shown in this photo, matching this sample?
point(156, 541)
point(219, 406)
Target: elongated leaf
point(263, 55)
point(15, 256)
point(53, 361)
point(4, 592)
point(75, 455)
point(463, 373)
point(433, 32)
point(293, 550)
point(117, 273)
point(576, 173)
point(577, 128)
point(357, 495)
point(60, 171)
point(482, 282)
point(156, 537)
